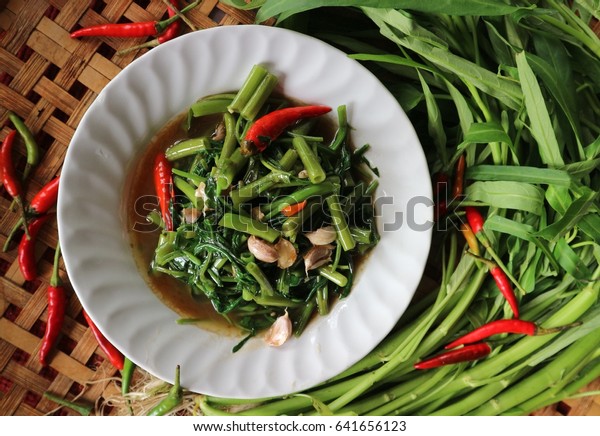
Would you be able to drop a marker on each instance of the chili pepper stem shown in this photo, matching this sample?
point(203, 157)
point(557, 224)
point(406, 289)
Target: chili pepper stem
point(23, 215)
point(180, 14)
point(149, 44)
point(12, 234)
point(162, 25)
point(483, 239)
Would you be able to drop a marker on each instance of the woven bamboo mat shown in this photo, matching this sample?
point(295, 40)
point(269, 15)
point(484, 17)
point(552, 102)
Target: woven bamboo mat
point(49, 80)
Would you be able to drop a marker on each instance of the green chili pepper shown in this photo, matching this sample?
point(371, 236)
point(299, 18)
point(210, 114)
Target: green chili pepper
point(82, 409)
point(173, 399)
point(33, 151)
point(127, 375)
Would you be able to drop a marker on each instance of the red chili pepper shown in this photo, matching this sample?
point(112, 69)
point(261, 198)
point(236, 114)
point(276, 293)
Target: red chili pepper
point(440, 210)
point(41, 203)
point(11, 182)
point(57, 302)
point(293, 209)
point(505, 288)
point(26, 250)
point(45, 198)
point(440, 182)
point(467, 353)
point(459, 176)
point(501, 326)
point(169, 34)
point(130, 30)
point(173, 29)
point(114, 355)
point(267, 128)
point(474, 218)
point(163, 184)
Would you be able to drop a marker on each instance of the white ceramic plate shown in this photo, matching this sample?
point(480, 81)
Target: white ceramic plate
point(133, 107)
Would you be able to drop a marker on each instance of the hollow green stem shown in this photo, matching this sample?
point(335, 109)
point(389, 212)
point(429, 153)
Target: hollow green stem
point(229, 169)
point(338, 219)
point(342, 131)
point(323, 300)
point(545, 377)
point(188, 190)
point(288, 160)
point(250, 226)
point(209, 106)
point(196, 179)
point(316, 174)
point(259, 97)
point(254, 189)
point(333, 276)
point(299, 196)
point(230, 140)
point(265, 286)
point(188, 147)
point(567, 314)
point(248, 88)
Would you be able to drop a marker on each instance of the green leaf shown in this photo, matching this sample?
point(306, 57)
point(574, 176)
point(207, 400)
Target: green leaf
point(559, 198)
point(497, 223)
point(407, 95)
point(593, 150)
point(576, 211)
point(541, 125)
point(570, 262)
point(435, 126)
point(583, 168)
point(501, 88)
point(524, 174)
point(591, 6)
point(590, 225)
point(284, 9)
point(465, 114)
point(553, 66)
point(484, 133)
point(507, 195)
point(244, 4)
point(389, 58)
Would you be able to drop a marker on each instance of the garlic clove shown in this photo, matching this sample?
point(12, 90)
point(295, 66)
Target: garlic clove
point(257, 214)
point(190, 214)
point(317, 256)
point(219, 133)
point(287, 253)
point(303, 174)
point(280, 331)
point(323, 236)
point(262, 250)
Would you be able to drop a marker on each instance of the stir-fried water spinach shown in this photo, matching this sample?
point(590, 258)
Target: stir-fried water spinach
point(269, 210)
